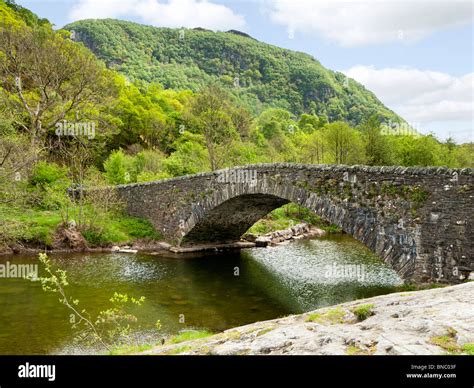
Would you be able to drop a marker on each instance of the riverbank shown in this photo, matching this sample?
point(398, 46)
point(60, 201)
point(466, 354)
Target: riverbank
point(30, 231)
point(429, 322)
point(70, 240)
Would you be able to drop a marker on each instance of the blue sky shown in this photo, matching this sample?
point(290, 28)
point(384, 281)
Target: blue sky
point(415, 55)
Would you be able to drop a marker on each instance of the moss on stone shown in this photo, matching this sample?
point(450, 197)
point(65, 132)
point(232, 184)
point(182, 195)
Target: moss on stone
point(468, 349)
point(332, 316)
point(179, 350)
point(448, 342)
point(264, 331)
point(363, 311)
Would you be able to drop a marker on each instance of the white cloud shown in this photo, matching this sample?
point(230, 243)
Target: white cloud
point(356, 22)
point(171, 13)
point(427, 99)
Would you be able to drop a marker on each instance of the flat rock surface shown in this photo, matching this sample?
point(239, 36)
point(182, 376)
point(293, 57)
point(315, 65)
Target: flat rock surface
point(402, 323)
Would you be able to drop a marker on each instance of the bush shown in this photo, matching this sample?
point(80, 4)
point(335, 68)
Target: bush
point(116, 170)
point(147, 176)
point(363, 311)
point(47, 186)
point(138, 228)
point(48, 174)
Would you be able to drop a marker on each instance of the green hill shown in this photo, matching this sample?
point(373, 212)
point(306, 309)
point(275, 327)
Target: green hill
point(259, 74)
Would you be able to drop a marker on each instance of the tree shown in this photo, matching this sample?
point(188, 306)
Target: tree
point(190, 156)
point(313, 149)
point(17, 158)
point(419, 151)
point(308, 123)
point(46, 77)
point(376, 146)
point(115, 169)
point(343, 143)
point(275, 122)
point(210, 114)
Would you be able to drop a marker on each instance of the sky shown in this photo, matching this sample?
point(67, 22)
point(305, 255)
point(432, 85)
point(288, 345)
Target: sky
point(416, 55)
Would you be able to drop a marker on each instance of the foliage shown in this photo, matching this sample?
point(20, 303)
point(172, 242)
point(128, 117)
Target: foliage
point(111, 327)
point(47, 174)
point(260, 75)
point(184, 106)
point(331, 316)
point(189, 335)
point(210, 115)
point(363, 311)
point(289, 215)
point(115, 169)
point(48, 79)
point(37, 227)
point(377, 150)
point(343, 143)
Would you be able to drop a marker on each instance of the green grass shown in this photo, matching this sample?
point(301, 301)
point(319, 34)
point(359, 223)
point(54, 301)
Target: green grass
point(332, 316)
point(120, 229)
point(468, 349)
point(30, 226)
point(449, 343)
point(287, 216)
point(363, 311)
point(189, 335)
point(178, 350)
point(37, 227)
point(353, 350)
point(130, 349)
point(184, 336)
point(418, 287)
point(265, 331)
point(446, 342)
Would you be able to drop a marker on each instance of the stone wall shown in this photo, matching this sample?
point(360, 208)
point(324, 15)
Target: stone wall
point(419, 220)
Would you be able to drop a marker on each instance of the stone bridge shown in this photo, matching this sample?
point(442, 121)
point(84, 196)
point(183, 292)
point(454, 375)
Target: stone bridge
point(418, 220)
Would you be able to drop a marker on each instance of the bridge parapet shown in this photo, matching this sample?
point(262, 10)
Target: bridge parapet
point(419, 220)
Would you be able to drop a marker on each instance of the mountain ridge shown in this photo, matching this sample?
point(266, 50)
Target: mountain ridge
point(259, 74)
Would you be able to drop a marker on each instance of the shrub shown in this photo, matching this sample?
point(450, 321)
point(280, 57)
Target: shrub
point(115, 168)
point(48, 174)
point(363, 311)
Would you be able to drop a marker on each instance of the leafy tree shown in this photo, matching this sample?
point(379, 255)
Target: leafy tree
point(417, 151)
point(210, 115)
point(344, 144)
point(377, 150)
point(115, 168)
point(313, 148)
point(46, 77)
point(308, 123)
point(190, 157)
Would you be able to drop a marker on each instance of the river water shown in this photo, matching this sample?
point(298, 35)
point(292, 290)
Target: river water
point(212, 291)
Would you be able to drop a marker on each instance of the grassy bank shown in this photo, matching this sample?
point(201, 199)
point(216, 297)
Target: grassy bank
point(287, 216)
point(187, 335)
point(36, 228)
point(32, 227)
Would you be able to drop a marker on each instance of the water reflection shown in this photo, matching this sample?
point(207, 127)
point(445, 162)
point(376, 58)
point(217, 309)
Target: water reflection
point(204, 290)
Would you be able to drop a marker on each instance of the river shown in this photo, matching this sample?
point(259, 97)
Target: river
point(212, 291)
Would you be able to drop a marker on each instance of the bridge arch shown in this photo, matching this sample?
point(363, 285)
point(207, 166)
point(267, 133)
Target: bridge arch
point(228, 214)
point(418, 220)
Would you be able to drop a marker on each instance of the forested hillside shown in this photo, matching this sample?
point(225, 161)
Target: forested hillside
point(259, 74)
point(186, 104)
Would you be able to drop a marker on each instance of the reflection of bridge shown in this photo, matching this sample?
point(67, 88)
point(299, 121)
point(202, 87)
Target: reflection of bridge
point(419, 220)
